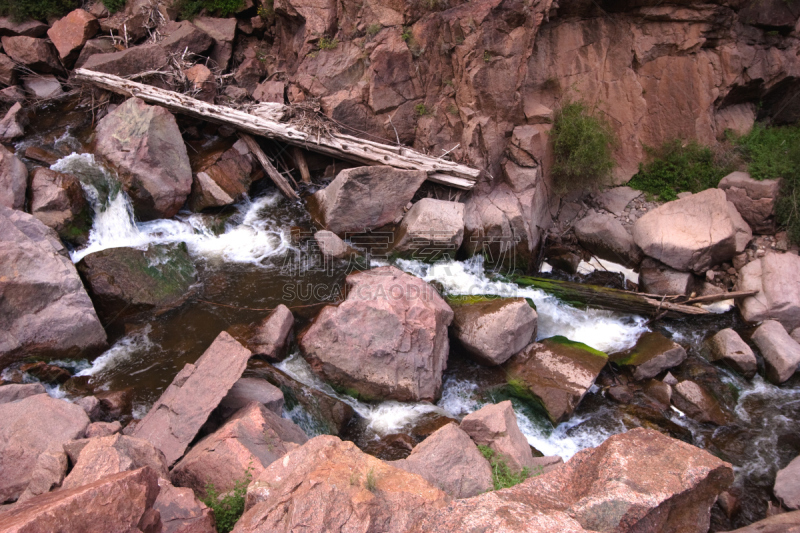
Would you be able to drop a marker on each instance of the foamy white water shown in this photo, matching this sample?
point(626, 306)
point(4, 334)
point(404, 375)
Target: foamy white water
point(121, 351)
point(602, 330)
point(256, 236)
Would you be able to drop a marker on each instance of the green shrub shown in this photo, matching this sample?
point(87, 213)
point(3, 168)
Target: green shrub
point(221, 8)
point(20, 10)
point(677, 167)
point(374, 29)
point(228, 508)
point(582, 146)
point(114, 5)
point(422, 110)
point(327, 43)
point(775, 153)
point(502, 476)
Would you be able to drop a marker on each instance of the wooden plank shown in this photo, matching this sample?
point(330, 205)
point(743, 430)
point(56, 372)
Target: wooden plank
point(336, 144)
point(269, 168)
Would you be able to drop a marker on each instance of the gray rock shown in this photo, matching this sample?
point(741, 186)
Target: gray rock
point(754, 199)
point(617, 199)
point(658, 278)
point(777, 278)
point(729, 347)
point(781, 353)
point(15, 392)
point(43, 87)
point(495, 426)
point(430, 229)
point(787, 485)
point(607, 238)
point(249, 390)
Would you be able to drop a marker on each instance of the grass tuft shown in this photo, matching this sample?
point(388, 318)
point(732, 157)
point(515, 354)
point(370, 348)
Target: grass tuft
point(228, 508)
point(502, 476)
point(327, 43)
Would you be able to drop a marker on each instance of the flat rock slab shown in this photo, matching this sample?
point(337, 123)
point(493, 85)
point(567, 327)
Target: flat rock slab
point(14, 392)
point(787, 485)
point(652, 354)
point(698, 403)
point(174, 420)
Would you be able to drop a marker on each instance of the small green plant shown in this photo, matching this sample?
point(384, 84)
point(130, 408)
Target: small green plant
point(487, 56)
point(20, 10)
point(189, 9)
point(228, 507)
point(421, 110)
point(449, 82)
point(374, 29)
point(371, 482)
point(452, 109)
point(266, 10)
point(502, 476)
point(328, 43)
point(582, 146)
point(114, 5)
point(679, 166)
point(406, 35)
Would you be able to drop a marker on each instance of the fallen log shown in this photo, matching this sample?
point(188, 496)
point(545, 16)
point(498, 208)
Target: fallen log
point(302, 165)
point(269, 168)
point(337, 145)
point(581, 295)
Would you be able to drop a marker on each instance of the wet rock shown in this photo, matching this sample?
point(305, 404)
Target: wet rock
point(222, 31)
point(755, 200)
point(652, 354)
point(206, 193)
point(50, 374)
point(13, 123)
point(270, 339)
point(380, 192)
point(249, 390)
point(49, 472)
point(388, 340)
point(249, 442)
point(448, 459)
point(127, 281)
point(777, 278)
point(620, 394)
point(330, 415)
point(13, 180)
point(787, 485)
point(28, 28)
point(128, 62)
point(203, 82)
point(70, 33)
point(496, 426)
point(270, 91)
point(103, 429)
point(492, 330)
point(57, 200)
point(116, 503)
point(781, 523)
point(116, 403)
point(780, 351)
point(43, 87)
point(729, 347)
point(617, 199)
point(223, 182)
point(180, 412)
point(328, 485)
point(331, 246)
point(184, 36)
point(430, 229)
point(691, 234)
point(36, 54)
point(659, 391)
point(607, 238)
point(181, 511)
point(105, 456)
point(144, 144)
point(562, 258)
point(614, 487)
point(698, 403)
point(14, 392)
point(46, 310)
point(30, 427)
point(555, 373)
point(7, 74)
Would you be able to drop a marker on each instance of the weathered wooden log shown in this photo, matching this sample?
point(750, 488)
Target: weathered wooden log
point(337, 145)
point(269, 168)
point(581, 295)
point(302, 165)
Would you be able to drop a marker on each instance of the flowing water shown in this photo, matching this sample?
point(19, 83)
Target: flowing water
point(249, 260)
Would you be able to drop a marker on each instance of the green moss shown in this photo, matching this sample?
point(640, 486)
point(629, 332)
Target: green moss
point(574, 345)
point(531, 303)
point(469, 299)
point(648, 346)
point(502, 476)
point(678, 167)
point(20, 10)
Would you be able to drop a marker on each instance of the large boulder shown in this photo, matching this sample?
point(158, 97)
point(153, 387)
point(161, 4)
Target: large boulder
point(45, 309)
point(450, 460)
point(249, 442)
point(36, 54)
point(105, 456)
point(144, 144)
point(727, 346)
point(607, 238)
point(122, 502)
point(248, 390)
point(690, 234)
point(639, 481)
point(57, 200)
point(776, 277)
point(222, 31)
point(787, 485)
point(14, 392)
point(780, 351)
point(555, 373)
point(652, 354)
point(174, 420)
point(13, 180)
point(379, 194)
point(126, 281)
point(270, 338)
point(330, 486)
point(496, 426)
point(755, 200)
point(70, 33)
point(30, 427)
point(492, 330)
point(431, 228)
point(388, 340)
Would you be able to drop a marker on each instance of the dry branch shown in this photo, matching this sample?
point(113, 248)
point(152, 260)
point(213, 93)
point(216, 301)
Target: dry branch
point(271, 171)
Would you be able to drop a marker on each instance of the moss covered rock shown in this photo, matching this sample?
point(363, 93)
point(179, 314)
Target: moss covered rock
point(652, 354)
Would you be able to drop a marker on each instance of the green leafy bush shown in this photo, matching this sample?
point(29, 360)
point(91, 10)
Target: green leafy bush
point(582, 145)
point(114, 5)
point(775, 153)
point(220, 8)
point(502, 476)
point(327, 43)
point(21, 10)
point(228, 508)
point(677, 167)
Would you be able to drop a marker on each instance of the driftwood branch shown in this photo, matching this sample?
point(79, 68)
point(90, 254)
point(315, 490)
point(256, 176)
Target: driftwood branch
point(300, 161)
point(335, 144)
point(271, 171)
